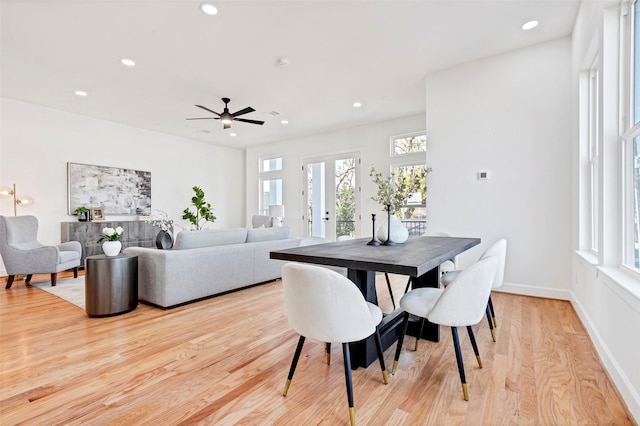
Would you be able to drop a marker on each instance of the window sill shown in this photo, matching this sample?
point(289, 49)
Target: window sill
point(620, 280)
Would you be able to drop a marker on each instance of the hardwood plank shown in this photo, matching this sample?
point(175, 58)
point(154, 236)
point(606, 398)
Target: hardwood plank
point(225, 361)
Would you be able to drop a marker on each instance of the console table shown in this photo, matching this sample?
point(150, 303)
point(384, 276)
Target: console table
point(136, 234)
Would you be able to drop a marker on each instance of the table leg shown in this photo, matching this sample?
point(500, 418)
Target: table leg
point(364, 353)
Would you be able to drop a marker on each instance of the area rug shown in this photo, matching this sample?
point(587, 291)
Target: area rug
point(69, 289)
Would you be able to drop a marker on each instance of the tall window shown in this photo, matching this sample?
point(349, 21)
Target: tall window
point(631, 137)
point(408, 162)
point(270, 181)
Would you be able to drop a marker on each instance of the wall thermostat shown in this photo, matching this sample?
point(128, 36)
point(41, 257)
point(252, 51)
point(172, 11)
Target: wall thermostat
point(483, 175)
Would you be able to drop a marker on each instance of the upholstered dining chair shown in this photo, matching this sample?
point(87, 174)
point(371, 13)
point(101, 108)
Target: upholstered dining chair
point(499, 250)
point(23, 254)
point(258, 221)
point(325, 306)
point(460, 304)
point(446, 266)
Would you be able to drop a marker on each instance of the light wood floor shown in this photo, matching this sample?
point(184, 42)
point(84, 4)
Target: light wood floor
point(224, 361)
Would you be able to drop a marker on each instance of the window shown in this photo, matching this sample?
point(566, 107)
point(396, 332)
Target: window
point(630, 139)
point(270, 164)
point(271, 191)
point(408, 144)
point(409, 152)
point(270, 181)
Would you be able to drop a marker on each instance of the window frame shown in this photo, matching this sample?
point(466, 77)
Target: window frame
point(628, 131)
point(264, 176)
point(393, 138)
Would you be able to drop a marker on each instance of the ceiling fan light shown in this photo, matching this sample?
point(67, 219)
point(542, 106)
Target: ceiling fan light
point(128, 62)
point(209, 9)
point(226, 120)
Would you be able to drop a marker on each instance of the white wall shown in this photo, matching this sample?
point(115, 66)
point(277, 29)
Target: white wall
point(508, 115)
point(372, 141)
point(37, 142)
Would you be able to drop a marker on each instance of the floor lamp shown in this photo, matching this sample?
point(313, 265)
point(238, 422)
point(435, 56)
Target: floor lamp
point(9, 192)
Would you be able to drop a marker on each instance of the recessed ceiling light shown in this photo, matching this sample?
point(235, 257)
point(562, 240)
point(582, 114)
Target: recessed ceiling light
point(80, 93)
point(206, 131)
point(128, 62)
point(285, 122)
point(209, 9)
point(530, 25)
point(357, 104)
point(233, 134)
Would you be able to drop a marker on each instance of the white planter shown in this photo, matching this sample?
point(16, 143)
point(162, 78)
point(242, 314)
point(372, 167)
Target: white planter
point(111, 248)
point(399, 232)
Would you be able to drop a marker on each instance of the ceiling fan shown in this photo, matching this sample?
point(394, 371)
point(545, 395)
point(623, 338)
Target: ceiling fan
point(228, 117)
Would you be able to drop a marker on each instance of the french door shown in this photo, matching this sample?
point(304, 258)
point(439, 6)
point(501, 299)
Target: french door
point(331, 196)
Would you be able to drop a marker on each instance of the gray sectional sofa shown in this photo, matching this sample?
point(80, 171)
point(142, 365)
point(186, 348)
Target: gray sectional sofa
point(206, 263)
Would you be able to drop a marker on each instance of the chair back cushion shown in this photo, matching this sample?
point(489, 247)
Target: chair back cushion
point(20, 231)
point(209, 238)
point(268, 234)
point(464, 300)
point(260, 221)
point(325, 306)
point(498, 250)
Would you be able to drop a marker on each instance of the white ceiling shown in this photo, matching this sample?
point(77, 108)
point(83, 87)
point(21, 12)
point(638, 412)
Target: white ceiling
point(377, 52)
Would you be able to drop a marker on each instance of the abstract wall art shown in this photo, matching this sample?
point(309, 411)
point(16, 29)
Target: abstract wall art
point(117, 191)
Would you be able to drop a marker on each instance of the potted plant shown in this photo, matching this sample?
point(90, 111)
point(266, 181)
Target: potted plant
point(203, 210)
point(83, 213)
point(164, 239)
point(393, 193)
point(111, 237)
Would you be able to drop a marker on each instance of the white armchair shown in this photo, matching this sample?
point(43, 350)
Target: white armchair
point(23, 254)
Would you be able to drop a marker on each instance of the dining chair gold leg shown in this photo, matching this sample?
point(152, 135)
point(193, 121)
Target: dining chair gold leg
point(472, 338)
point(419, 332)
point(294, 363)
point(465, 392)
point(493, 313)
point(352, 416)
point(405, 323)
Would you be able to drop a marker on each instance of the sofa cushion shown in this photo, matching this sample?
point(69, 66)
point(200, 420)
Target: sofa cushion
point(268, 234)
point(209, 238)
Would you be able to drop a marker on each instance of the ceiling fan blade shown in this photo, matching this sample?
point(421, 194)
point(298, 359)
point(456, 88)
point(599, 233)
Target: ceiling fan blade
point(207, 109)
point(227, 126)
point(243, 111)
point(250, 121)
point(205, 118)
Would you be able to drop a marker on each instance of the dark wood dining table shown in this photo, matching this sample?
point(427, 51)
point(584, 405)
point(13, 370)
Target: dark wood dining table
point(418, 258)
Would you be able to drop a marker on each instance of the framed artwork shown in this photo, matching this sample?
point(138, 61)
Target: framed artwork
point(97, 213)
point(117, 191)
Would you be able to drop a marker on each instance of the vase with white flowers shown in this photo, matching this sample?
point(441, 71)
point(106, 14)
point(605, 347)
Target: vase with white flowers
point(111, 237)
point(164, 239)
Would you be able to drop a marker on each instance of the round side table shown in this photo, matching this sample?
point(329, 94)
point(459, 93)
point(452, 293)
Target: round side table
point(111, 284)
